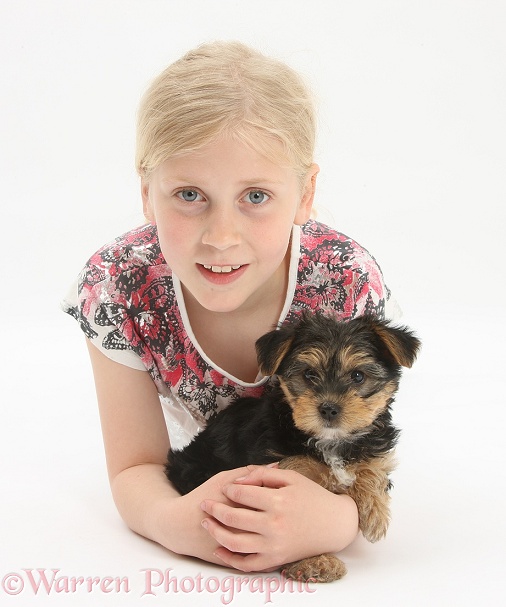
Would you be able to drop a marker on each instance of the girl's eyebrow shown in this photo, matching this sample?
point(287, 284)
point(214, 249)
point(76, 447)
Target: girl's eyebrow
point(256, 181)
point(262, 180)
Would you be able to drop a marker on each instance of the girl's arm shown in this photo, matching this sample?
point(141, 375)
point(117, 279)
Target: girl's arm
point(278, 516)
point(136, 445)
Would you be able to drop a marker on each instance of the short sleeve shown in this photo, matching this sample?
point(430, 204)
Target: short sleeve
point(370, 293)
point(84, 308)
point(117, 298)
point(337, 275)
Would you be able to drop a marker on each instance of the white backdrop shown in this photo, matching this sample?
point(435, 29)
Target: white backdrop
point(412, 110)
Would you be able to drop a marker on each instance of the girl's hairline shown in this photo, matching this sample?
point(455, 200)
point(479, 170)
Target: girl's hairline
point(282, 158)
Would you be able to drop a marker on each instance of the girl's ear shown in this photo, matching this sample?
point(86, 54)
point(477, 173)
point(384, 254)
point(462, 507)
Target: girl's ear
point(147, 207)
point(306, 202)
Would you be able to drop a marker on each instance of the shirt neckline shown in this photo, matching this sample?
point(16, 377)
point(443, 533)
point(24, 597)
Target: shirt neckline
point(290, 293)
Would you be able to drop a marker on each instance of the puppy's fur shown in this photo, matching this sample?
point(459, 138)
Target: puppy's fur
point(327, 417)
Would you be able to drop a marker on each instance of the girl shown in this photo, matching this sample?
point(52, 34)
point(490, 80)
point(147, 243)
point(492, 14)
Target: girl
point(172, 309)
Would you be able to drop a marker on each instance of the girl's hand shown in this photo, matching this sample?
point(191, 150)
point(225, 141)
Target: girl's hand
point(183, 532)
point(274, 517)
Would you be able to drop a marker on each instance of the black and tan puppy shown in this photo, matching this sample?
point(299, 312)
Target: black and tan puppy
point(327, 417)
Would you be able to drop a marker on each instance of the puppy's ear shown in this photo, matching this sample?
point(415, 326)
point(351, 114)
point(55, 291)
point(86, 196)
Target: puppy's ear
point(272, 348)
point(400, 342)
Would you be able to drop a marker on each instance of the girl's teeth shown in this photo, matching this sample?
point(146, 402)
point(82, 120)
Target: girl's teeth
point(221, 269)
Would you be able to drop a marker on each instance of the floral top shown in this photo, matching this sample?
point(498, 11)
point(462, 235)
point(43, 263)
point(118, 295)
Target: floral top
point(130, 304)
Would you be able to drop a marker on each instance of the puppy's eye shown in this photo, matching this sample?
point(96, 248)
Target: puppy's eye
point(310, 376)
point(357, 377)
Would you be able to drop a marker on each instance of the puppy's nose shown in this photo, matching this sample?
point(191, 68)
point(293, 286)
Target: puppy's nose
point(329, 411)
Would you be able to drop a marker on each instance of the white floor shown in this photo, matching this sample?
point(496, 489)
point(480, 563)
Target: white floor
point(446, 544)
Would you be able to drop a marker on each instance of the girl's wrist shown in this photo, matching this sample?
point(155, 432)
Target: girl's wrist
point(345, 528)
point(350, 519)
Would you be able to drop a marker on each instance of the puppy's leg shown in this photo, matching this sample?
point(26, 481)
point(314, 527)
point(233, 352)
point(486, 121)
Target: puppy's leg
point(313, 469)
point(370, 492)
point(324, 567)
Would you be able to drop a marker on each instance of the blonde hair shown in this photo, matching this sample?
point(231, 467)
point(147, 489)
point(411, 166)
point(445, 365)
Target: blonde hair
point(226, 87)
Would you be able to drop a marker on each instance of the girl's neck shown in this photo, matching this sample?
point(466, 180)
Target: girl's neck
point(228, 338)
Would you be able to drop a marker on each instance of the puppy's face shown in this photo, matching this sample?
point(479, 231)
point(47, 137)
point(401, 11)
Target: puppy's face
point(337, 376)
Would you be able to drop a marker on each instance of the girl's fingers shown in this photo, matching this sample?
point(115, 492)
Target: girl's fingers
point(233, 540)
point(266, 476)
point(256, 490)
point(241, 519)
point(252, 528)
point(245, 562)
point(262, 498)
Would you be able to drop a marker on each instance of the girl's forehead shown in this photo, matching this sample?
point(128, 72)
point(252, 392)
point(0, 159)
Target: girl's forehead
point(230, 155)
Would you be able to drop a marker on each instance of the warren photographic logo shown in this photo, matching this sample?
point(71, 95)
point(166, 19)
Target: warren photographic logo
point(151, 582)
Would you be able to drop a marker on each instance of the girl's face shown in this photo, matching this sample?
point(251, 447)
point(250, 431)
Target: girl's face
point(224, 216)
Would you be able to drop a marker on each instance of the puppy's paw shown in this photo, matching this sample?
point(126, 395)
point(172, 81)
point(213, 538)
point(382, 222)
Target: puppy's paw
point(373, 512)
point(323, 568)
point(374, 524)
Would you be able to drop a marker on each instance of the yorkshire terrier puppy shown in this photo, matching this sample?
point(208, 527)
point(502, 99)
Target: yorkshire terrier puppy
point(327, 417)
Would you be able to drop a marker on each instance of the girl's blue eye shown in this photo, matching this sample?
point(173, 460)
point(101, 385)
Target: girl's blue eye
point(189, 195)
point(257, 197)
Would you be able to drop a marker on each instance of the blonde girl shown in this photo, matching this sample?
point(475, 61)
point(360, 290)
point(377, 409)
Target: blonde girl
point(172, 309)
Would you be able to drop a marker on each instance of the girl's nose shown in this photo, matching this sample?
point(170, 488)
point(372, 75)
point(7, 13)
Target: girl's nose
point(222, 229)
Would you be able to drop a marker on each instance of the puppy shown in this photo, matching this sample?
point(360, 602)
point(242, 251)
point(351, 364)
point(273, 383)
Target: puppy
point(327, 416)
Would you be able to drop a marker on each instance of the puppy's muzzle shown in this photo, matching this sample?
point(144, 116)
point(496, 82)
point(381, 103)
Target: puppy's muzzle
point(330, 412)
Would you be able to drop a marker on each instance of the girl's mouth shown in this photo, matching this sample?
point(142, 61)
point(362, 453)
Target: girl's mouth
point(221, 269)
point(221, 275)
